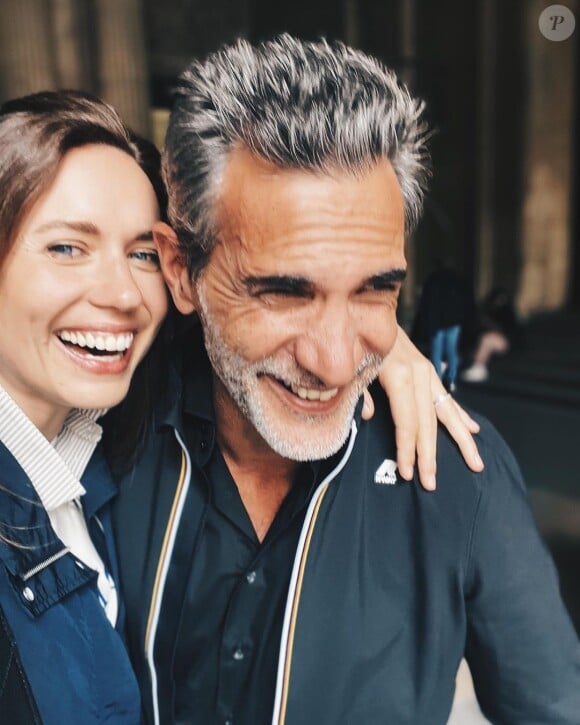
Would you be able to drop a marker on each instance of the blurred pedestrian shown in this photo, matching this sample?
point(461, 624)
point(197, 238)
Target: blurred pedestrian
point(499, 332)
point(444, 307)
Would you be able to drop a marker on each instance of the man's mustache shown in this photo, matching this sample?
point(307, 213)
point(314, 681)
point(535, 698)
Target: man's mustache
point(291, 374)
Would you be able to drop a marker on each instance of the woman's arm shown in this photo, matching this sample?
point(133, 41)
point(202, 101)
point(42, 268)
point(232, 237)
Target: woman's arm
point(412, 385)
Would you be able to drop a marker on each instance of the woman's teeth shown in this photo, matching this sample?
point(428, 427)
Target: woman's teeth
point(98, 341)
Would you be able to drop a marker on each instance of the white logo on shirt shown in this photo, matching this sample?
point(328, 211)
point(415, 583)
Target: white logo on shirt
point(386, 473)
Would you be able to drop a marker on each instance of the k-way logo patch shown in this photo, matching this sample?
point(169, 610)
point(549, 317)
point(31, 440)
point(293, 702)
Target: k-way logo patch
point(386, 473)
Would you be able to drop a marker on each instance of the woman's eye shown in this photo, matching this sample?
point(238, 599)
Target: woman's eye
point(147, 258)
point(64, 250)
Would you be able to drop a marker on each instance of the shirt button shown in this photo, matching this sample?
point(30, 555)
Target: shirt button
point(251, 577)
point(28, 594)
point(238, 654)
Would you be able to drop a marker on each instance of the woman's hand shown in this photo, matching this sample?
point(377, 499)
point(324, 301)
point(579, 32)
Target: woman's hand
point(412, 385)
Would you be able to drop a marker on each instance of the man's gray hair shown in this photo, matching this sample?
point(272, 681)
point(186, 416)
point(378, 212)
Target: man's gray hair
point(296, 104)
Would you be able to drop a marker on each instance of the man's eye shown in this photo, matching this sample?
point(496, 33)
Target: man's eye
point(386, 288)
point(280, 298)
point(146, 258)
point(382, 296)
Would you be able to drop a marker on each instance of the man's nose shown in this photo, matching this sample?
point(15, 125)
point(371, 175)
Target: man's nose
point(330, 347)
point(115, 286)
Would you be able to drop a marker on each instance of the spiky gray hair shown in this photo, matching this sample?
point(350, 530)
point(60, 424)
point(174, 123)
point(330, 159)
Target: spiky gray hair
point(296, 104)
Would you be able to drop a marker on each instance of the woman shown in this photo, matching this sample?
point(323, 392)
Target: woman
point(81, 300)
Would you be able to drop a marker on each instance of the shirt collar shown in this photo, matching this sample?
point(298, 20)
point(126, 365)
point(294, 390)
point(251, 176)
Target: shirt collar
point(190, 384)
point(54, 469)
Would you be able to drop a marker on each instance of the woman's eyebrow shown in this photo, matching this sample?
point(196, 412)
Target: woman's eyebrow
point(85, 228)
point(144, 236)
point(82, 227)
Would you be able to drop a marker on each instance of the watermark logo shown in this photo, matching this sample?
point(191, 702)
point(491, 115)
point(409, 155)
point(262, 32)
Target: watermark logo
point(557, 22)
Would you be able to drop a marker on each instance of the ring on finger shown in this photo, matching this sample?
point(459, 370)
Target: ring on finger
point(441, 399)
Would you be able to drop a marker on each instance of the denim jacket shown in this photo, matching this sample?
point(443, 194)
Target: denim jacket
point(65, 661)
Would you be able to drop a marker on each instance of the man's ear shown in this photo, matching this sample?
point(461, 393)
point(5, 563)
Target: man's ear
point(174, 268)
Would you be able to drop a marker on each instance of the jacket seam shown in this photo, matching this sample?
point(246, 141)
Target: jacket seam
point(471, 541)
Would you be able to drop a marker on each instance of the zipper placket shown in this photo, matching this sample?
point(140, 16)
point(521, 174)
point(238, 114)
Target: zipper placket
point(295, 588)
point(44, 564)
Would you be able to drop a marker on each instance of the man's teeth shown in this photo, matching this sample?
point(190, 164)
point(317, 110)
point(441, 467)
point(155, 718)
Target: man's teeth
point(98, 341)
point(310, 394)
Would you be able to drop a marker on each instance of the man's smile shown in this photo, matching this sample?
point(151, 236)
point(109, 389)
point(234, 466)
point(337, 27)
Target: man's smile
point(306, 398)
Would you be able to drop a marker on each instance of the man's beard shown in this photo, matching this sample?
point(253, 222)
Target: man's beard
point(303, 437)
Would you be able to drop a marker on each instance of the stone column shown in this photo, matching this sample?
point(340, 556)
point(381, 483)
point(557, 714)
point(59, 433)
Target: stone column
point(26, 59)
point(546, 217)
point(408, 32)
point(71, 41)
point(486, 149)
point(122, 62)
point(351, 24)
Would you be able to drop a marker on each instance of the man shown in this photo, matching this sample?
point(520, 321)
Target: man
point(275, 568)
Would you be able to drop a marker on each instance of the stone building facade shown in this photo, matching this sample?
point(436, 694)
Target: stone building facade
point(502, 98)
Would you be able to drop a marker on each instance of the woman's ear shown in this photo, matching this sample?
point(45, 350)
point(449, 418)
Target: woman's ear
point(174, 268)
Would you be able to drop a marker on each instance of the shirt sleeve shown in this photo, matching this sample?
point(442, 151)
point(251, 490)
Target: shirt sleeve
point(522, 648)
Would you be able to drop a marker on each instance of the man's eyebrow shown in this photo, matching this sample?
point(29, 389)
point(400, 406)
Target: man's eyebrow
point(385, 280)
point(301, 286)
point(286, 284)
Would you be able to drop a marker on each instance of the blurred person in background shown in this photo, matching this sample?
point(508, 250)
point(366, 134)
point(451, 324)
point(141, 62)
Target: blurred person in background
point(444, 307)
point(499, 332)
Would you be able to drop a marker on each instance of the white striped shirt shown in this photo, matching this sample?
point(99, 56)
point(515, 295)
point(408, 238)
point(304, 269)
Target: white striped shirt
point(55, 470)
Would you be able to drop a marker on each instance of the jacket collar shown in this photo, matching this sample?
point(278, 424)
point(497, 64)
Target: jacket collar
point(189, 389)
point(23, 519)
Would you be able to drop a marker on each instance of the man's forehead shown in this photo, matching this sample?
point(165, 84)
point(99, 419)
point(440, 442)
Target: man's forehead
point(243, 165)
point(256, 193)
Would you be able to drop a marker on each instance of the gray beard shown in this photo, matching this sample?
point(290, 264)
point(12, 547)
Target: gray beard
point(241, 380)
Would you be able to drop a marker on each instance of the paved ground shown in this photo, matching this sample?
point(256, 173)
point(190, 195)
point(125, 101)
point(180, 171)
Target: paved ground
point(465, 708)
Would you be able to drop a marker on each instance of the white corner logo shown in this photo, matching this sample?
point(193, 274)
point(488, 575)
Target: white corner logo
point(557, 22)
point(386, 473)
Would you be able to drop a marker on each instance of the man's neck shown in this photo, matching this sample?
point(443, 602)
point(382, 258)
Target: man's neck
point(262, 476)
